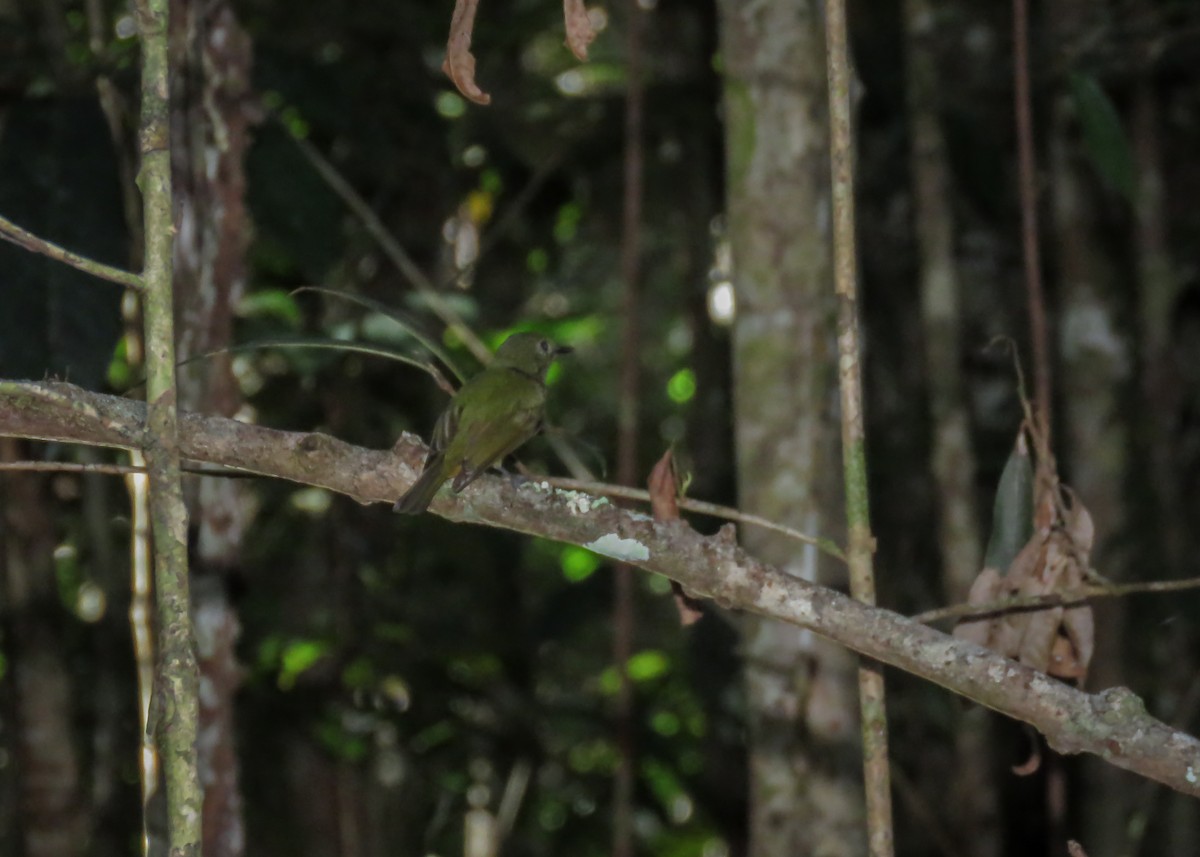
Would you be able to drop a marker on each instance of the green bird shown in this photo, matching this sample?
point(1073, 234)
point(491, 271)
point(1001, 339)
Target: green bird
point(493, 414)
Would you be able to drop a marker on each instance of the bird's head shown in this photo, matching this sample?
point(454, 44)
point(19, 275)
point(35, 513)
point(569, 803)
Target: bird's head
point(528, 353)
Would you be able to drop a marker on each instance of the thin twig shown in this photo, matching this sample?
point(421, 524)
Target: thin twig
point(876, 774)
point(700, 507)
point(1053, 599)
point(14, 234)
point(1029, 214)
point(71, 467)
point(393, 250)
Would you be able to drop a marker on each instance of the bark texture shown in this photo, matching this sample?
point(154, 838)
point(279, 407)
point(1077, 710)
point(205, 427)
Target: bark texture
point(175, 706)
point(54, 817)
point(972, 793)
point(211, 58)
point(805, 785)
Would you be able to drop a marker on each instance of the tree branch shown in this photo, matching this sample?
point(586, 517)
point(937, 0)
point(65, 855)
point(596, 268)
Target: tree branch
point(175, 704)
point(14, 234)
point(861, 548)
point(1113, 725)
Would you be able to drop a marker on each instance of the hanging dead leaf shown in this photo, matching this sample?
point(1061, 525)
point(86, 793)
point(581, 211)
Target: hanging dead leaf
point(580, 32)
point(1058, 640)
point(985, 590)
point(459, 64)
point(1080, 626)
point(664, 502)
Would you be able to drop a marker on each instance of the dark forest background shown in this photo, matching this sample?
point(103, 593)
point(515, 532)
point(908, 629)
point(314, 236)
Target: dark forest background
point(400, 680)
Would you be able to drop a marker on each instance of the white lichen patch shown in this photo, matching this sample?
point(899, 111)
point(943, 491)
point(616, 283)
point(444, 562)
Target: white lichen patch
point(733, 574)
point(1191, 775)
point(625, 550)
point(580, 503)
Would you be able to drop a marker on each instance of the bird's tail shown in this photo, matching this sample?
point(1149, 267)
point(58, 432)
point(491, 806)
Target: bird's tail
point(417, 498)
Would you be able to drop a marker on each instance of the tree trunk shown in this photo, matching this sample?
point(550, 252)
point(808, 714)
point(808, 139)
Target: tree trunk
point(805, 781)
point(211, 63)
point(54, 818)
point(972, 791)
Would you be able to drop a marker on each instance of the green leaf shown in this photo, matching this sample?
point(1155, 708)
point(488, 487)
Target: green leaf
point(341, 742)
point(297, 658)
point(1103, 135)
point(647, 665)
point(271, 303)
point(1012, 514)
point(577, 563)
point(682, 386)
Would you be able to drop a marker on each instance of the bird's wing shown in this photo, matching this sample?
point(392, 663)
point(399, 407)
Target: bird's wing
point(496, 416)
point(446, 426)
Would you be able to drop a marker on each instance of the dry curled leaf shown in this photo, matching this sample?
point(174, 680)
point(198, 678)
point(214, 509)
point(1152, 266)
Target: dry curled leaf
point(579, 28)
point(1058, 640)
point(460, 63)
point(664, 502)
point(986, 589)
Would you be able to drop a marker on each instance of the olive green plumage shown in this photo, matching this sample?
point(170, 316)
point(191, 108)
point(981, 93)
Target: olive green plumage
point(493, 414)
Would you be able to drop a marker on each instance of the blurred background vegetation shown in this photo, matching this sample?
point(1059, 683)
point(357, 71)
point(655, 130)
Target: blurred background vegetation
point(403, 677)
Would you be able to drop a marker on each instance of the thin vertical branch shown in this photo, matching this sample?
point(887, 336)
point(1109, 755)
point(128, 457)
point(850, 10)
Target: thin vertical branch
point(627, 421)
point(854, 453)
point(175, 707)
point(1027, 166)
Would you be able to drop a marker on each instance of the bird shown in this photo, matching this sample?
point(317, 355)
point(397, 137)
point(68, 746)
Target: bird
point(493, 414)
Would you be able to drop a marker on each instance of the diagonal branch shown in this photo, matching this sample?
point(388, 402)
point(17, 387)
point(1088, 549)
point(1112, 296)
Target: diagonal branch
point(1113, 725)
point(14, 234)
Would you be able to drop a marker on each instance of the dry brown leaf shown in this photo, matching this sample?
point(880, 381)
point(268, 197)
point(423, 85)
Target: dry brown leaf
point(579, 28)
point(1080, 625)
point(1040, 627)
point(460, 63)
point(1008, 630)
point(985, 590)
point(1064, 660)
point(664, 502)
point(1059, 641)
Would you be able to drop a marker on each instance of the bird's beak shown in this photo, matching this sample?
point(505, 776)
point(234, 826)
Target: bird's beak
point(559, 350)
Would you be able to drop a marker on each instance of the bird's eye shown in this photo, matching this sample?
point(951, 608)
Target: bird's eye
point(544, 346)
